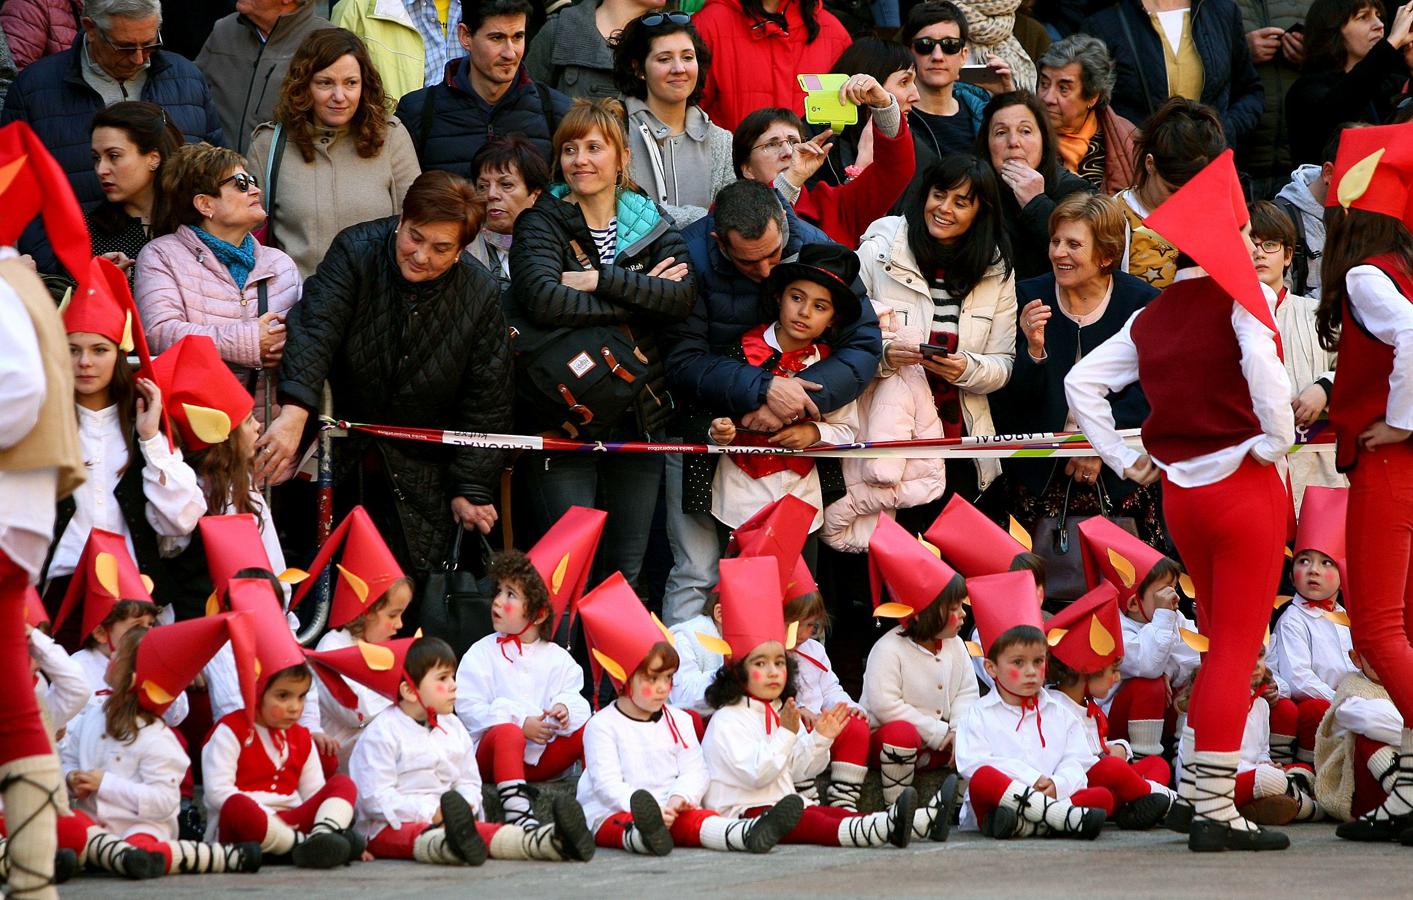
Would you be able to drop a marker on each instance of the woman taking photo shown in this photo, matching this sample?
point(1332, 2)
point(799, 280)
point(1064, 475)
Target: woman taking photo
point(1015, 137)
point(679, 157)
point(944, 268)
point(132, 141)
point(1082, 302)
point(595, 255)
point(891, 65)
point(342, 158)
point(207, 275)
point(1076, 83)
point(378, 320)
point(510, 174)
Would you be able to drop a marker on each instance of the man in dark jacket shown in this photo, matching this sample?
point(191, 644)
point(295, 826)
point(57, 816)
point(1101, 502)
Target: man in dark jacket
point(733, 250)
point(1230, 84)
point(486, 93)
point(246, 58)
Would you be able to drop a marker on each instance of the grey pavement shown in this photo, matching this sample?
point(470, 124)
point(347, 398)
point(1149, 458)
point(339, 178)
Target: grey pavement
point(1118, 864)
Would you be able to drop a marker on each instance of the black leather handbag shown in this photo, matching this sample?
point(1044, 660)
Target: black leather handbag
point(454, 604)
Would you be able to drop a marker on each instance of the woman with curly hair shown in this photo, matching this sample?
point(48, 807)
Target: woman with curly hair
point(334, 156)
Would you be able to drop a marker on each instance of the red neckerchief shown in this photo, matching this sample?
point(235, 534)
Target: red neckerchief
point(503, 639)
point(1101, 721)
point(1026, 704)
point(431, 713)
point(782, 364)
point(772, 718)
point(935, 646)
point(677, 738)
point(278, 738)
point(1328, 605)
point(810, 659)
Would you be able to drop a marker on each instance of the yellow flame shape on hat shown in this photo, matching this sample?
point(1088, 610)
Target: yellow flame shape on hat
point(146, 582)
point(1357, 177)
point(1188, 588)
point(1020, 535)
point(792, 636)
point(1056, 635)
point(1338, 616)
point(666, 634)
point(292, 576)
point(975, 649)
point(210, 425)
point(213, 605)
point(1100, 640)
point(105, 569)
point(557, 579)
point(359, 586)
point(156, 693)
point(1122, 567)
point(1196, 641)
point(610, 665)
point(930, 548)
point(893, 611)
point(714, 644)
point(379, 659)
point(1281, 601)
point(125, 344)
point(10, 170)
point(258, 668)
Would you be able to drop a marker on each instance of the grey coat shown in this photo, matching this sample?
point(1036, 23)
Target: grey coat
point(571, 56)
point(683, 173)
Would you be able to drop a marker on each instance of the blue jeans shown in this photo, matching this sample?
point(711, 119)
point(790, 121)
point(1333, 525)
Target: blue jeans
point(696, 550)
point(622, 484)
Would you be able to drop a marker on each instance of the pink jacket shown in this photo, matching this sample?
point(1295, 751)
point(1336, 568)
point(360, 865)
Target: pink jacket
point(182, 289)
point(37, 28)
point(897, 407)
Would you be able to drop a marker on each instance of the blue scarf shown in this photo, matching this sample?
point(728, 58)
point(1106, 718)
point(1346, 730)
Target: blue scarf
point(239, 261)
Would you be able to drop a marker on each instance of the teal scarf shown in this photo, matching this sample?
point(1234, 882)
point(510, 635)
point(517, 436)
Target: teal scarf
point(239, 261)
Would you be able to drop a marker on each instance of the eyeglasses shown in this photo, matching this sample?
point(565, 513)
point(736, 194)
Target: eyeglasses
point(775, 145)
point(652, 20)
point(1271, 246)
point(950, 45)
point(129, 49)
point(242, 182)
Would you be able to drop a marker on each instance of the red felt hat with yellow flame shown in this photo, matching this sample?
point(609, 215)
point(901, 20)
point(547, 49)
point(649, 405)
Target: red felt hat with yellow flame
point(1003, 601)
point(171, 656)
point(1087, 635)
point(274, 647)
point(973, 543)
point(752, 611)
point(366, 569)
point(104, 575)
point(565, 556)
point(620, 629)
point(205, 401)
point(911, 569)
point(779, 530)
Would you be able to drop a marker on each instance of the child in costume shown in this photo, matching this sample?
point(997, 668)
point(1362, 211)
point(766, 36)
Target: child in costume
point(1310, 644)
point(756, 747)
point(918, 683)
point(1086, 646)
point(698, 663)
point(1356, 747)
point(419, 789)
point(1024, 755)
point(124, 766)
point(261, 777)
point(644, 775)
point(519, 694)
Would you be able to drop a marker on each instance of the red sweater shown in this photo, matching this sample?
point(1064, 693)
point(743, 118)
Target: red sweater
point(1360, 396)
point(844, 211)
point(754, 63)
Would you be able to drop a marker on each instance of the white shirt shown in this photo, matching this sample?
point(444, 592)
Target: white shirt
point(402, 768)
point(220, 760)
point(906, 682)
point(174, 499)
point(749, 768)
point(1090, 725)
point(141, 787)
point(818, 689)
point(494, 688)
point(1157, 648)
point(94, 666)
point(1113, 365)
point(339, 722)
point(623, 755)
point(26, 496)
point(1377, 720)
point(1309, 652)
point(1388, 316)
point(699, 665)
point(66, 690)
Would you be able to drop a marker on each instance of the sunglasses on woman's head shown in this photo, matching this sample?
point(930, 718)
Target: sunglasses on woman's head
point(950, 45)
point(652, 20)
point(242, 182)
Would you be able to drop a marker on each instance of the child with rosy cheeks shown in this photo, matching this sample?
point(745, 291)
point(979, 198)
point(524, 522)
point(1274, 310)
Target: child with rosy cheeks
point(699, 664)
point(521, 694)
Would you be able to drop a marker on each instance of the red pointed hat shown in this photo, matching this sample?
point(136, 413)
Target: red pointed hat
point(104, 575)
point(1113, 555)
point(565, 555)
point(1003, 601)
point(35, 613)
point(752, 611)
point(274, 645)
point(779, 530)
point(1373, 171)
point(1087, 635)
point(105, 307)
point(33, 183)
point(233, 543)
point(205, 401)
point(366, 570)
point(377, 666)
point(619, 628)
point(171, 656)
point(914, 574)
point(1322, 515)
point(972, 542)
point(1203, 219)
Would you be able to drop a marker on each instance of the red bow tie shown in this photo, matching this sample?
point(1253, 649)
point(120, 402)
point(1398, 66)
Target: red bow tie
point(1326, 605)
point(672, 727)
point(504, 639)
point(772, 718)
point(1027, 704)
point(279, 739)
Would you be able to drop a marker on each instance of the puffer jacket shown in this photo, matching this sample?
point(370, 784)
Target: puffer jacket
point(986, 327)
point(183, 289)
point(898, 407)
point(626, 294)
point(429, 355)
point(38, 28)
point(571, 56)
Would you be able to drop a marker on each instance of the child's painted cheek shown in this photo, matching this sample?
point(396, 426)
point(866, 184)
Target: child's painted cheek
point(757, 675)
point(646, 692)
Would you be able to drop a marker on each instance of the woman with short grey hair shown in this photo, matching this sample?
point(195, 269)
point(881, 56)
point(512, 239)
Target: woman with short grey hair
point(1075, 81)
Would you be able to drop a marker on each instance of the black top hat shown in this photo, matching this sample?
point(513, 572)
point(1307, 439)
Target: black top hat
point(831, 265)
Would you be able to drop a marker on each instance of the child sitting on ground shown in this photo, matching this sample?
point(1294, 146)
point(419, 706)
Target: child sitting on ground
point(1356, 752)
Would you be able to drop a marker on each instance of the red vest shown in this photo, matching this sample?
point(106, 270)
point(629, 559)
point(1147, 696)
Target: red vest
point(760, 354)
point(255, 770)
point(1189, 364)
point(1360, 396)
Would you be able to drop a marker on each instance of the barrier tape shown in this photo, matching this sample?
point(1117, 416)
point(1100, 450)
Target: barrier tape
point(1041, 445)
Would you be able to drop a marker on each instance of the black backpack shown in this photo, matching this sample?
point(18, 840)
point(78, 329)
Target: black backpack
point(1300, 259)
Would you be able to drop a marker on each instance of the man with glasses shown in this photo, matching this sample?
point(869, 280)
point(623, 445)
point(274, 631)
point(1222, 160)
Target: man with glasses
point(118, 56)
point(948, 112)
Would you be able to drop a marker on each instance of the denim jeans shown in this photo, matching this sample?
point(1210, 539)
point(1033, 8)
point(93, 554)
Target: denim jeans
point(622, 484)
point(696, 550)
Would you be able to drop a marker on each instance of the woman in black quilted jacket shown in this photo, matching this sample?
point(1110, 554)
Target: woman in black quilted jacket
point(407, 331)
point(597, 273)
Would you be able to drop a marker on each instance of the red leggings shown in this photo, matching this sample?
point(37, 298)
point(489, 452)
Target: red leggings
point(988, 786)
point(242, 819)
point(396, 843)
point(1232, 537)
point(686, 829)
point(819, 825)
point(905, 735)
point(1368, 793)
point(501, 755)
point(152, 844)
point(22, 731)
point(1127, 781)
point(1380, 565)
point(1299, 719)
point(852, 744)
point(1141, 699)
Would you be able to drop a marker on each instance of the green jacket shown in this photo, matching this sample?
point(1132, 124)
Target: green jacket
point(394, 43)
point(1264, 153)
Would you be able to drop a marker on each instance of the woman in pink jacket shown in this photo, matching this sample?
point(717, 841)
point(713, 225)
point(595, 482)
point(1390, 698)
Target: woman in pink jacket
point(207, 275)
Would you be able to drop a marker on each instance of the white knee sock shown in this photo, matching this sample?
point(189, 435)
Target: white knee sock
point(845, 782)
point(334, 814)
point(897, 765)
point(1214, 787)
point(1145, 737)
point(516, 800)
point(199, 858)
point(721, 833)
point(866, 831)
point(1269, 782)
point(431, 847)
point(30, 785)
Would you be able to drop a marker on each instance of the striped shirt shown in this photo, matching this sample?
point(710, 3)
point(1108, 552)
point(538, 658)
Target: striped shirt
point(439, 43)
point(945, 309)
point(606, 242)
